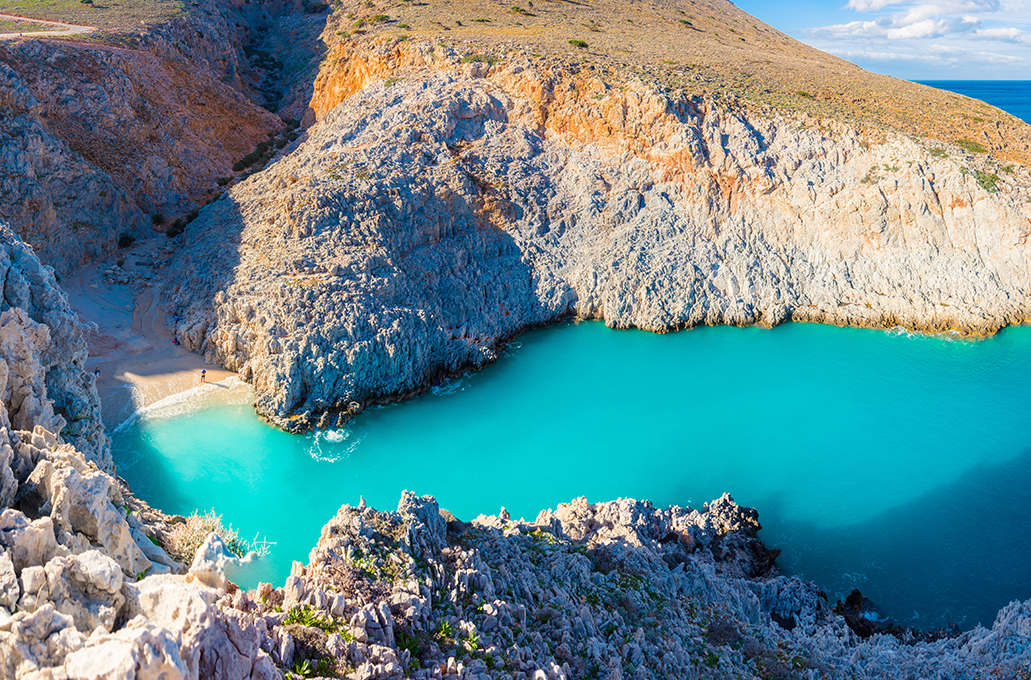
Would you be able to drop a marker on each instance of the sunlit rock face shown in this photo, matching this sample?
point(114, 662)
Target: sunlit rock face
point(429, 217)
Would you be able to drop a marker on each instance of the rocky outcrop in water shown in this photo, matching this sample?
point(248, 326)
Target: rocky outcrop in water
point(429, 217)
point(607, 590)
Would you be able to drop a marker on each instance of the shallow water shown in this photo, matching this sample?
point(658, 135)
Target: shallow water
point(895, 462)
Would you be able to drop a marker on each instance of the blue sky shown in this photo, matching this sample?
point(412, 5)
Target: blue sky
point(911, 39)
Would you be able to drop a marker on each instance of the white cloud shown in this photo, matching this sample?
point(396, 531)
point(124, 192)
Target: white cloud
point(1001, 34)
point(929, 20)
point(871, 5)
point(894, 30)
point(936, 55)
point(931, 38)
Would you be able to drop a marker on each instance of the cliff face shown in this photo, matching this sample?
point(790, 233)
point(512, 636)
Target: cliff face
point(430, 216)
point(98, 140)
point(45, 383)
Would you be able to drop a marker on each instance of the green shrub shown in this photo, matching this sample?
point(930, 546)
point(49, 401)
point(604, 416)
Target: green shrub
point(469, 58)
point(222, 181)
point(158, 219)
point(306, 615)
point(971, 146)
point(316, 7)
point(125, 240)
point(989, 182)
point(184, 539)
point(578, 43)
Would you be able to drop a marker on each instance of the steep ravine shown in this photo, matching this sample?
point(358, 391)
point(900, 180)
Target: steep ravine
point(437, 205)
point(127, 134)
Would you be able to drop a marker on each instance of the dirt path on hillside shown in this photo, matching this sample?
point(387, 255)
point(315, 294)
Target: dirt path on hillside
point(61, 29)
point(131, 344)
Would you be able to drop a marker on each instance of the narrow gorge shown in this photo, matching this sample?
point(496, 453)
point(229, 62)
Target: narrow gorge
point(348, 205)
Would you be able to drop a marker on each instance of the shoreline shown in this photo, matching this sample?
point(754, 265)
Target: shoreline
point(130, 343)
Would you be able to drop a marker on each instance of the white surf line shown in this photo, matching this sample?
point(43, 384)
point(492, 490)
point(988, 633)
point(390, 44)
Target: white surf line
point(184, 402)
point(63, 28)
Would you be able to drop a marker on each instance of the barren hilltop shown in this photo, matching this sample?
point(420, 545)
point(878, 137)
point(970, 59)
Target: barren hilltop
point(345, 204)
point(697, 47)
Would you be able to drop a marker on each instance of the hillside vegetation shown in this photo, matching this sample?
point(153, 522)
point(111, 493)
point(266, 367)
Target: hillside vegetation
point(707, 47)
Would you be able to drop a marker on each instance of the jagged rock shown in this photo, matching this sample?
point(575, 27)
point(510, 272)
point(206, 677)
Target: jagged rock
point(141, 650)
point(40, 639)
point(209, 564)
point(213, 644)
point(85, 500)
point(31, 543)
point(10, 591)
point(42, 357)
point(86, 587)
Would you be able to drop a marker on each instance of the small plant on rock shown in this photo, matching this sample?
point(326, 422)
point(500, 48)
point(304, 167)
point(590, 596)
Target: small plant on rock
point(578, 43)
point(184, 539)
point(306, 615)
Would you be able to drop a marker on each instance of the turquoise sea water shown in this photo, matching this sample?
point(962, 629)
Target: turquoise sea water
point(893, 462)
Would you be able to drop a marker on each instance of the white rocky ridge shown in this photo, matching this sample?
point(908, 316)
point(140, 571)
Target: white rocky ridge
point(427, 219)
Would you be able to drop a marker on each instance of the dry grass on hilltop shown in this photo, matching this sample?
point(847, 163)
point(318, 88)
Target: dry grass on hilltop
point(107, 15)
point(703, 46)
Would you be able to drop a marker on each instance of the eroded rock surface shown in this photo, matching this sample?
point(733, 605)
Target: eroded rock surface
point(43, 381)
point(428, 218)
point(98, 142)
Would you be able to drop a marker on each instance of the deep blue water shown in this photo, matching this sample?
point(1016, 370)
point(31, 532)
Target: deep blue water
point(1012, 96)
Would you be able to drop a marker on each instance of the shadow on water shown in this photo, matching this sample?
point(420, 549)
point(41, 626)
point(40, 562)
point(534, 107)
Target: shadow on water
point(969, 542)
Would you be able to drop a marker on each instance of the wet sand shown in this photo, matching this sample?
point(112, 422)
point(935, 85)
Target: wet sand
point(130, 341)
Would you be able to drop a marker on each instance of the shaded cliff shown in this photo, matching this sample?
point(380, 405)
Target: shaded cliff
point(101, 141)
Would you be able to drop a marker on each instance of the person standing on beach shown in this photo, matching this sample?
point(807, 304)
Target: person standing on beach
point(203, 374)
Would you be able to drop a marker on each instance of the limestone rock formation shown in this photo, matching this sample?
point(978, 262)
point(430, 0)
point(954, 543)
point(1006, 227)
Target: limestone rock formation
point(43, 381)
point(425, 221)
point(587, 590)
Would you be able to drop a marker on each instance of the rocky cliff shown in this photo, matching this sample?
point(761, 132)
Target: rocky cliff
point(432, 215)
point(100, 140)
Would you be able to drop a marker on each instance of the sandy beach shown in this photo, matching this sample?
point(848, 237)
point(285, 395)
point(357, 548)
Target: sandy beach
point(129, 338)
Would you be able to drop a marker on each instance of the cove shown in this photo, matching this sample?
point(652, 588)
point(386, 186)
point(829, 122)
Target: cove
point(888, 461)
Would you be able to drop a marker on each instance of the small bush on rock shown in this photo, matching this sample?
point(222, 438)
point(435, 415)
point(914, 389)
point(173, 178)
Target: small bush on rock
point(184, 539)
